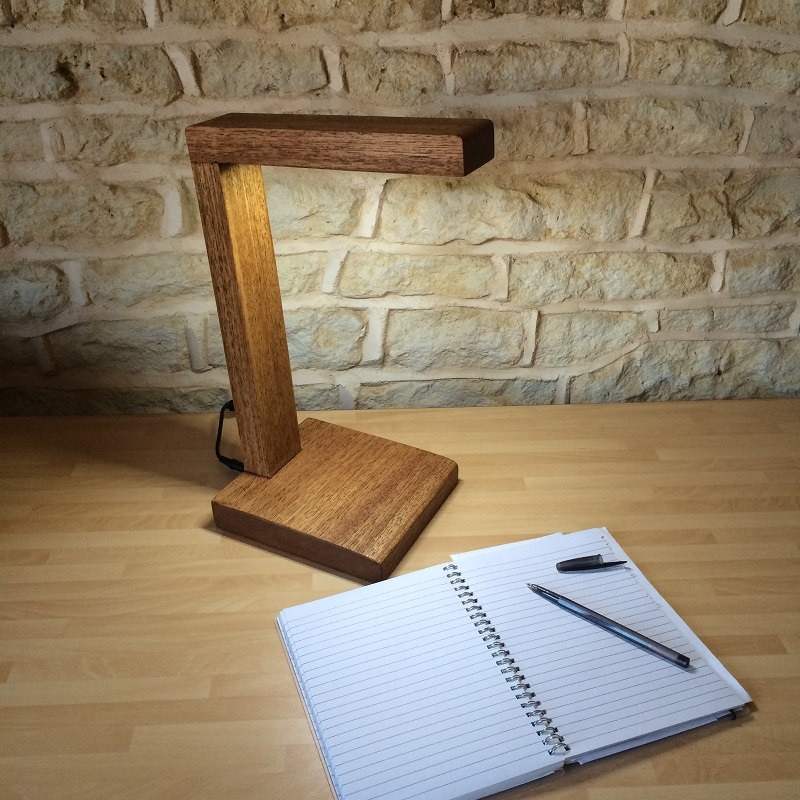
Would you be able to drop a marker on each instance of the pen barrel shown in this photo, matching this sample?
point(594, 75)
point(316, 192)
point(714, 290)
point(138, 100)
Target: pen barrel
point(624, 632)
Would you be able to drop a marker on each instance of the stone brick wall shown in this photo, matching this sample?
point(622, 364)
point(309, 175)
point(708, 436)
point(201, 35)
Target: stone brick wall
point(636, 238)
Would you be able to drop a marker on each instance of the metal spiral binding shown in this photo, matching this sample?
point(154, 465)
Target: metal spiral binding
point(551, 738)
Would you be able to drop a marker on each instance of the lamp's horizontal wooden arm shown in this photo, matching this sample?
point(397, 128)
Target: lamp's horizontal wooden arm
point(373, 144)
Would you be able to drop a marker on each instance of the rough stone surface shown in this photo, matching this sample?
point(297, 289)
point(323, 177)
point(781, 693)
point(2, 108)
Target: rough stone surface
point(129, 282)
point(570, 9)
point(585, 336)
point(695, 370)
point(765, 202)
point(672, 127)
point(753, 272)
point(122, 345)
point(456, 392)
point(58, 212)
point(376, 16)
point(312, 202)
point(740, 318)
point(522, 68)
point(108, 141)
point(299, 273)
point(710, 63)
point(394, 77)
point(690, 205)
point(636, 236)
point(33, 291)
point(705, 10)
point(453, 337)
point(545, 279)
point(118, 14)
point(234, 68)
point(776, 14)
point(435, 211)
point(541, 130)
point(261, 13)
point(775, 131)
point(379, 274)
point(20, 141)
point(325, 338)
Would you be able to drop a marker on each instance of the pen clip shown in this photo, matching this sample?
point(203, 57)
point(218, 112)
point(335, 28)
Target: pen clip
point(586, 562)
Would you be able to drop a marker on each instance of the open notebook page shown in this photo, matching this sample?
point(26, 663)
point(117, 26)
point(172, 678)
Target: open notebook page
point(603, 693)
point(404, 697)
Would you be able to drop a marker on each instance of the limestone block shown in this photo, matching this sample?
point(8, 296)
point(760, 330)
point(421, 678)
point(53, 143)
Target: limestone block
point(310, 397)
point(260, 13)
point(20, 141)
point(379, 274)
point(558, 277)
point(695, 370)
point(456, 392)
point(699, 10)
point(688, 206)
point(16, 352)
point(693, 61)
point(577, 205)
point(778, 14)
point(540, 130)
point(775, 132)
point(394, 77)
point(661, 125)
point(665, 126)
point(453, 337)
point(32, 291)
point(586, 205)
point(772, 317)
point(376, 15)
point(765, 202)
point(299, 273)
point(120, 14)
point(325, 338)
point(570, 9)
point(681, 61)
point(307, 202)
point(436, 211)
point(571, 339)
point(100, 73)
point(115, 140)
point(156, 344)
point(34, 75)
point(754, 272)
point(61, 212)
point(241, 68)
point(147, 280)
point(512, 67)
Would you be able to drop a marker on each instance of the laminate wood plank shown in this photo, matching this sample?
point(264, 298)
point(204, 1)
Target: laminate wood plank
point(138, 652)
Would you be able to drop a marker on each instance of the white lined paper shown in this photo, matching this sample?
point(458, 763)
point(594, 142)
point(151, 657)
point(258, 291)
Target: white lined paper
point(599, 689)
point(407, 701)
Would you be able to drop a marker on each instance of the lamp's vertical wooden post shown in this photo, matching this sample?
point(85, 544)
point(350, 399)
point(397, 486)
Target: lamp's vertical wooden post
point(245, 278)
point(343, 499)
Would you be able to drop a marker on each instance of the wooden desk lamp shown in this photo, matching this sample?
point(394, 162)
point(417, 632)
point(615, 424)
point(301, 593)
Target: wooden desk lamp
point(349, 501)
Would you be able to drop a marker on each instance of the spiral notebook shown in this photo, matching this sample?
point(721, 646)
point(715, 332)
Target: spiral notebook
point(457, 681)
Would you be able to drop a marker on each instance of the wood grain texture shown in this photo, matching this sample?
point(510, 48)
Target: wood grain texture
point(138, 654)
point(350, 501)
point(233, 210)
point(409, 145)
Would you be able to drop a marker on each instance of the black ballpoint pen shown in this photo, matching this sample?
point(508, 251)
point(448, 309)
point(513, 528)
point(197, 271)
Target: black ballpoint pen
point(612, 627)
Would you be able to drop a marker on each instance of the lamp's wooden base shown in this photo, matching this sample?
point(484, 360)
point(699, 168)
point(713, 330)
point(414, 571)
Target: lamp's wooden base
point(348, 501)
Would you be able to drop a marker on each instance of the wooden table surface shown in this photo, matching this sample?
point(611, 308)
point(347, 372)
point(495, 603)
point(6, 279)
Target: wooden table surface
point(139, 656)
